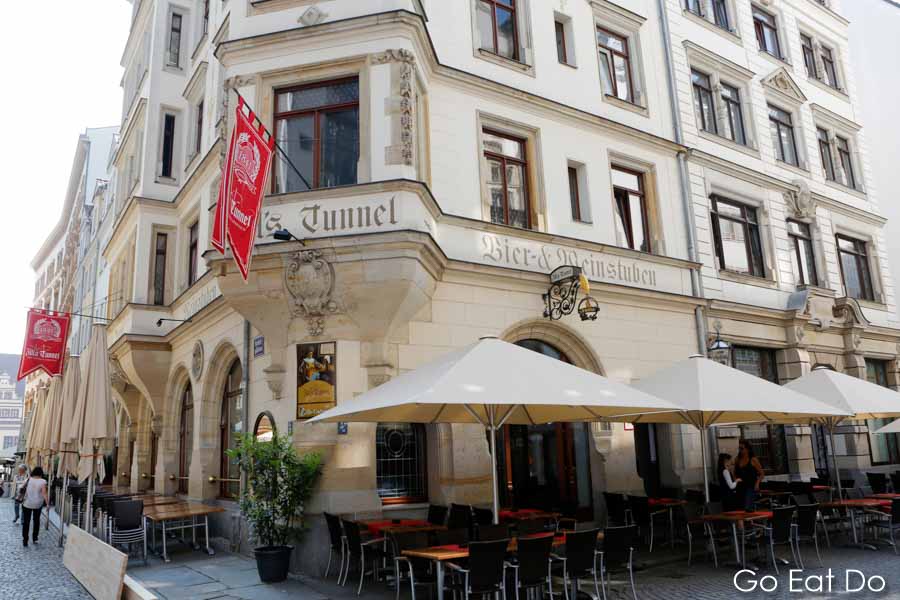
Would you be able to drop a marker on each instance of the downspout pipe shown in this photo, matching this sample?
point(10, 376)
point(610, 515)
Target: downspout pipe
point(245, 397)
point(683, 175)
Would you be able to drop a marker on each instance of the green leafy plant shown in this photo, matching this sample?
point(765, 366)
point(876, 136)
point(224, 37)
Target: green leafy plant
point(280, 483)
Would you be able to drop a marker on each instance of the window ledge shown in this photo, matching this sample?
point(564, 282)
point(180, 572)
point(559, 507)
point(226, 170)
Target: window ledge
point(797, 169)
point(776, 59)
point(173, 70)
point(566, 64)
point(585, 223)
point(714, 137)
point(873, 304)
point(190, 162)
point(199, 45)
point(836, 91)
point(506, 62)
point(167, 181)
point(736, 277)
point(847, 190)
point(630, 106)
point(730, 34)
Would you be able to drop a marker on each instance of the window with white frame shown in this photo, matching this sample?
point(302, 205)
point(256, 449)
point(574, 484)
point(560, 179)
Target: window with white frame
point(578, 192)
point(168, 145)
point(174, 40)
point(501, 31)
point(717, 12)
point(720, 91)
point(565, 39)
point(853, 257)
point(765, 25)
point(836, 138)
point(821, 60)
point(784, 135)
point(618, 51)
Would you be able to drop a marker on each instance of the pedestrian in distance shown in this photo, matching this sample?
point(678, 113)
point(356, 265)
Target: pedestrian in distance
point(18, 481)
point(34, 497)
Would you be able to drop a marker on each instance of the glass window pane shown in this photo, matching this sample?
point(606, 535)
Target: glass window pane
point(623, 78)
point(734, 246)
point(340, 148)
point(729, 210)
point(787, 142)
point(625, 179)
point(296, 136)
point(636, 207)
point(796, 228)
point(485, 26)
point(502, 145)
point(506, 33)
point(772, 41)
point(495, 189)
point(776, 140)
point(852, 279)
point(317, 97)
point(606, 78)
point(808, 262)
point(613, 42)
point(847, 244)
point(515, 190)
point(621, 221)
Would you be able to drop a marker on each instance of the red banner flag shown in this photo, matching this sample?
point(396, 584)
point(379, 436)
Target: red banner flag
point(242, 188)
point(45, 343)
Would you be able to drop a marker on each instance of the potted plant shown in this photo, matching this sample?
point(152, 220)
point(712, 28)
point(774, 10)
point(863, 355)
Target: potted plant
point(279, 483)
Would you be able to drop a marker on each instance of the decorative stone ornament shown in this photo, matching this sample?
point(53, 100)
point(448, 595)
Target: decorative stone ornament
point(401, 104)
point(313, 16)
point(309, 279)
point(197, 360)
point(801, 202)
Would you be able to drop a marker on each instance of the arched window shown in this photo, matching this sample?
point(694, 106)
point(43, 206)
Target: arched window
point(229, 428)
point(400, 470)
point(185, 438)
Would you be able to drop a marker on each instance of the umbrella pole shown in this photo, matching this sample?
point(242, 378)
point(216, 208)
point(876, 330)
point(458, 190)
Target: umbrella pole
point(837, 473)
point(703, 459)
point(90, 496)
point(493, 430)
point(62, 514)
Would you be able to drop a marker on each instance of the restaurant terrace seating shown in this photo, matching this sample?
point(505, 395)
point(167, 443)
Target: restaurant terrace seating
point(416, 570)
point(895, 482)
point(360, 553)
point(460, 517)
point(437, 514)
point(489, 533)
point(643, 516)
point(486, 572)
point(889, 522)
point(617, 512)
point(127, 519)
point(617, 554)
point(807, 528)
point(531, 566)
point(878, 482)
point(697, 529)
point(780, 531)
point(580, 562)
point(338, 543)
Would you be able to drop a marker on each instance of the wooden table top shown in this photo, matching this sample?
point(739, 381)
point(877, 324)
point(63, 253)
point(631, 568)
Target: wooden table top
point(774, 492)
point(523, 514)
point(455, 551)
point(160, 500)
point(379, 527)
point(857, 503)
point(738, 516)
point(171, 512)
point(666, 502)
point(884, 496)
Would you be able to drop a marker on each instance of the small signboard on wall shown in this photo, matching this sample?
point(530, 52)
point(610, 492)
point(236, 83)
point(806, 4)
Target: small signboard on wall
point(259, 346)
point(316, 378)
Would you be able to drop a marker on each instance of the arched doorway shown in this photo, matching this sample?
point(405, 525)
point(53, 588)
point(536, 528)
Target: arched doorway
point(546, 465)
point(229, 429)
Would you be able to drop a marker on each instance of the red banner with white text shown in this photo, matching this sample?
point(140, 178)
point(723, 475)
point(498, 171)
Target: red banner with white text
point(45, 342)
point(242, 188)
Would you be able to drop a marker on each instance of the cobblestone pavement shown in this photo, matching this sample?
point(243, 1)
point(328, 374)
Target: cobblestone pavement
point(35, 572)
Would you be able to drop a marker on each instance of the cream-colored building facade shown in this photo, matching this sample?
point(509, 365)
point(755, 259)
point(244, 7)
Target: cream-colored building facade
point(449, 157)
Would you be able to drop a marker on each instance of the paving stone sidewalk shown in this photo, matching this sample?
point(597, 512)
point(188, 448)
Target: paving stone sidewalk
point(35, 572)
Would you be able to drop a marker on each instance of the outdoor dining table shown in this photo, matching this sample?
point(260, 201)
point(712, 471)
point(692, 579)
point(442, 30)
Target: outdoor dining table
point(853, 506)
point(734, 517)
point(884, 496)
point(441, 554)
point(523, 514)
point(669, 505)
point(380, 527)
point(180, 512)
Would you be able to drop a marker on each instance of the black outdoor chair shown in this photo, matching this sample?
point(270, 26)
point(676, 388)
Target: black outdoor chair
point(448, 537)
point(490, 533)
point(802, 499)
point(847, 484)
point(483, 516)
point(460, 517)
point(895, 482)
point(807, 528)
point(532, 526)
point(617, 554)
point(532, 566)
point(889, 522)
point(360, 553)
point(878, 482)
point(697, 528)
point(486, 571)
point(643, 516)
point(578, 560)
point(417, 570)
point(127, 524)
point(780, 531)
point(437, 514)
point(617, 512)
point(338, 543)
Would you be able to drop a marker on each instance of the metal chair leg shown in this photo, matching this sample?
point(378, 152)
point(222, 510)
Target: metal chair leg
point(774, 558)
point(651, 533)
point(690, 544)
point(631, 573)
point(362, 571)
point(603, 582)
point(328, 566)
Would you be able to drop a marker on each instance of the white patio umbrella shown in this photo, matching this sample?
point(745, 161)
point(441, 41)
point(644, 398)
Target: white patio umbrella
point(50, 422)
point(892, 427)
point(61, 443)
point(858, 397)
point(37, 413)
point(714, 394)
point(494, 383)
point(95, 411)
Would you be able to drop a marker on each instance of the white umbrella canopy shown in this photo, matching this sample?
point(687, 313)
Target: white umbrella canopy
point(50, 421)
point(68, 461)
point(95, 406)
point(495, 383)
point(714, 394)
point(892, 427)
point(861, 398)
point(37, 413)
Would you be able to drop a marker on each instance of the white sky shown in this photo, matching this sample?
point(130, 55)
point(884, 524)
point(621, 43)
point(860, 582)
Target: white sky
point(60, 75)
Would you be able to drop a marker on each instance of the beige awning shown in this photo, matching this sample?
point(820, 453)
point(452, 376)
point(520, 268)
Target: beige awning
point(68, 459)
point(94, 408)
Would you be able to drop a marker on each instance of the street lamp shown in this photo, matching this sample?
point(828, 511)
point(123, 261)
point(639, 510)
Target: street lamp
point(720, 350)
point(562, 297)
point(284, 235)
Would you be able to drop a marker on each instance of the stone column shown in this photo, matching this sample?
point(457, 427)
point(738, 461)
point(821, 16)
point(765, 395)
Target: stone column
point(141, 461)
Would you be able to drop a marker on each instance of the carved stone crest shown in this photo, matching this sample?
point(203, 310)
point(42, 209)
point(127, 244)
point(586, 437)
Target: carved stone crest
point(197, 360)
point(309, 279)
point(800, 202)
point(313, 16)
point(117, 377)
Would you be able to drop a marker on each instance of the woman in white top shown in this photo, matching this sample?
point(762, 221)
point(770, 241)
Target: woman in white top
point(35, 498)
point(19, 480)
point(727, 482)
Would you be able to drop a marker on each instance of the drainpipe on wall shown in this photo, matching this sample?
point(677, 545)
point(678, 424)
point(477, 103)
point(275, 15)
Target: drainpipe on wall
point(683, 176)
point(237, 518)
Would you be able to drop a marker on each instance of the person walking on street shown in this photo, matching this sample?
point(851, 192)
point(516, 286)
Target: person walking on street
point(18, 481)
point(32, 503)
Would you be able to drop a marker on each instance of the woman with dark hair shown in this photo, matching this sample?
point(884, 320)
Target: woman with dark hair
point(751, 473)
point(33, 500)
point(727, 483)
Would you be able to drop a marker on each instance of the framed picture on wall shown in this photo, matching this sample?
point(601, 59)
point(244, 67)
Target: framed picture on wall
point(316, 378)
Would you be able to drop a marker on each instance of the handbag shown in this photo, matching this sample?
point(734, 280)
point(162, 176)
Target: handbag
point(20, 493)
